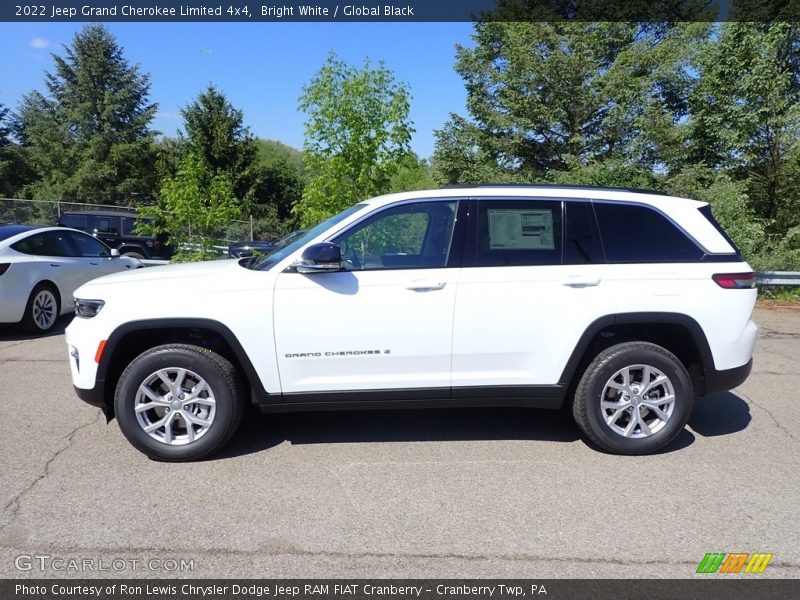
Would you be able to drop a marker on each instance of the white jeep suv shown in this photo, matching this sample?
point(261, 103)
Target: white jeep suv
point(622, 304)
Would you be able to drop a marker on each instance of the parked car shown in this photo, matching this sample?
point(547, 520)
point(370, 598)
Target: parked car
point(622, 304)
point(247, 249)
point(117, 229)
point(41, 267)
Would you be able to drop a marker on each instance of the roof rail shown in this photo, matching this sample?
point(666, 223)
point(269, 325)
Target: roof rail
point(556, 185)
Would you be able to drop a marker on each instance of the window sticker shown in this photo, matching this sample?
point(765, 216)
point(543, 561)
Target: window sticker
point(522, 229)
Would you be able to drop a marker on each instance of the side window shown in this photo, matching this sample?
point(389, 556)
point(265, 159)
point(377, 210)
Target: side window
point(410, 236)
point(581, 242)
point(49, 243)
point(88, 246)
point(518, 232)
point(129, 225)
point(637, 234)
point(107, 225)
point(75, 221)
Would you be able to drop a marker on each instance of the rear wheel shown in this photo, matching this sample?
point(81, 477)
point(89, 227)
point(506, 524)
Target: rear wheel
point(179, 402)
point(42, 310)
point(634, 398)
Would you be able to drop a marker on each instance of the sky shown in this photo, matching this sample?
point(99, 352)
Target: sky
point(261, 67)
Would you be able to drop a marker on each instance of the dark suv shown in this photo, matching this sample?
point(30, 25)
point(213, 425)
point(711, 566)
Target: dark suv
point(117, 228)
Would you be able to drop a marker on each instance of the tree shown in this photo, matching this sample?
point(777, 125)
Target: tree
point(14, 171)
point(216, 134)
point(280, 179)
point(357, 136)
point(746, 116)
point(89, 138)
point(193, 206)
point(548, 98)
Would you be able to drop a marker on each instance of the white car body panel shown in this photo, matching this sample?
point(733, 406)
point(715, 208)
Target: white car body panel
point(485, 326)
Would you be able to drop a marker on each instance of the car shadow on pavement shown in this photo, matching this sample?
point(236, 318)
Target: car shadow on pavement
point(259, 432)
point(14, 333)
point(719, 414)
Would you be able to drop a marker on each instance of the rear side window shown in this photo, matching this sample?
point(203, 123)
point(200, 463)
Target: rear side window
point(107, 225)
point(638, 234)
point(581, 242)
point(75, 221)
point(129, 225)
point(49, 243)
point(518, 232)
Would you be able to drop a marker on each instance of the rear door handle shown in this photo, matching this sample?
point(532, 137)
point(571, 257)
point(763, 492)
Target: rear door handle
point(581, 282)
point(55, 265)
point(93, 263)
point(422, 285)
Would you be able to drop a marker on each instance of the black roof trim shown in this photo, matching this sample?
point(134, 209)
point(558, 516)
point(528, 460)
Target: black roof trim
point(556, 186)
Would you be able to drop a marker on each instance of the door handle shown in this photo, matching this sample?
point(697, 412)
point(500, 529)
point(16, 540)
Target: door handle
point(55, 265)
point(581, 282)
point(422, 285)
point(93, 263)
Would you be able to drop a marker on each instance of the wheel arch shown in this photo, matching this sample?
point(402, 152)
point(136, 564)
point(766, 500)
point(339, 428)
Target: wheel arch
point(51, 284)
point(131, 339)
point(678, 333)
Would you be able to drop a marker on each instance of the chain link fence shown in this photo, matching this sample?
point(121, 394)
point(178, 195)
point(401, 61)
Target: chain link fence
point(47, 212)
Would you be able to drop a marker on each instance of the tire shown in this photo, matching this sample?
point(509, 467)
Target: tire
point(138, 255)
point(609, 395)
point(213, 418)
point(42, 310)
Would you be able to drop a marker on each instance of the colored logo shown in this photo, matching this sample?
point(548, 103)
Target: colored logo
point(737, 562)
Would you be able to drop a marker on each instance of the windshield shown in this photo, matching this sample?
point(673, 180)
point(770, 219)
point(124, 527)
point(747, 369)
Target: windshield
point(287, 246)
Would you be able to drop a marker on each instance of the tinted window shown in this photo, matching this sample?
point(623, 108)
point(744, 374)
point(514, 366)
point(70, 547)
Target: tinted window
point(75, 221)
point(410, 236)
point(581, 244)
point(88, 246)
point(49, 243)
point(518, 232)
point(129, 225)
point(107, 225)
point(635, 234)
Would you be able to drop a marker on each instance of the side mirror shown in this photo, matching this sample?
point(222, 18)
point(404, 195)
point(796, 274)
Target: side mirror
point(114, 253)
point(324, 257)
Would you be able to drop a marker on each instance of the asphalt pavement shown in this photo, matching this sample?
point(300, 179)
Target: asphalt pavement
point(428, 493)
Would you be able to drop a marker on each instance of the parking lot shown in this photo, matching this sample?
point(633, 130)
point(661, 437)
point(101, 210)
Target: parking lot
point(470, 493)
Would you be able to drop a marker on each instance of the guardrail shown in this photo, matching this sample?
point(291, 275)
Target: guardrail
point(778, 278)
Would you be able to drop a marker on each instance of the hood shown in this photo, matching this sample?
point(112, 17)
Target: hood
point(186, 275)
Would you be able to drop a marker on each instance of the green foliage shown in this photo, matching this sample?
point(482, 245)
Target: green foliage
point(357, 136)
point(280, 181)
point(14, 169)
point(215, 133)
point(89, 138)
point(194, 206)
point(413, 174)
point(552, 97)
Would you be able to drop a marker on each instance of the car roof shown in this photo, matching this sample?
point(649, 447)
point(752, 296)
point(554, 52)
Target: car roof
point(7, 231)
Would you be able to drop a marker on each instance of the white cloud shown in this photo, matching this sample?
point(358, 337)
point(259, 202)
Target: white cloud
point(39, 43)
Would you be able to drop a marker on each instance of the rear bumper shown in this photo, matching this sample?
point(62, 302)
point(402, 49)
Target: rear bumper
point(727, 379)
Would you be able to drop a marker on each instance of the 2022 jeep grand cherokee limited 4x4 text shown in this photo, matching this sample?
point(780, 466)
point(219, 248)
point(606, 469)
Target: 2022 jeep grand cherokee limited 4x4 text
point(625, 304)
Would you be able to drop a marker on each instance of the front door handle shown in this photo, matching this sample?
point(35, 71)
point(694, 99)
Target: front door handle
point(423, 285)
point(581, 282)
point(94, 263)
point(55, 265)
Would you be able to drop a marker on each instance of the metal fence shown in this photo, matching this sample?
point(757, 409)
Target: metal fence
point(47, 212)
point(790, 278)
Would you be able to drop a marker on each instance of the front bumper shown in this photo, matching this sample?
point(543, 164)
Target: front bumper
point(96, 397)
point(727, 379)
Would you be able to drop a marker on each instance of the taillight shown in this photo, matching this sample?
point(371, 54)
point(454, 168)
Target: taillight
point(735, 281)
point(4, 267)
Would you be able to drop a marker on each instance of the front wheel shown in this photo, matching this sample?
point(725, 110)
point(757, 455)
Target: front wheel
point(179, 402)
point(634, 398)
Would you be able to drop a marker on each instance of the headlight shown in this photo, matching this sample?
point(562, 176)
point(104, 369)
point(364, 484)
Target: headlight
point(87, 308)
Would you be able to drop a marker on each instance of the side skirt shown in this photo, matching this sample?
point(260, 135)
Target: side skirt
point(546, 396)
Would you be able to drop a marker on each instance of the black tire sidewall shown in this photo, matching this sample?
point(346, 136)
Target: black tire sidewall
point(684, 395)
point(144, 366)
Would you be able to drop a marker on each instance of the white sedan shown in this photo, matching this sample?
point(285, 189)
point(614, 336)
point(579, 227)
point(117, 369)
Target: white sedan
point(41, 267)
